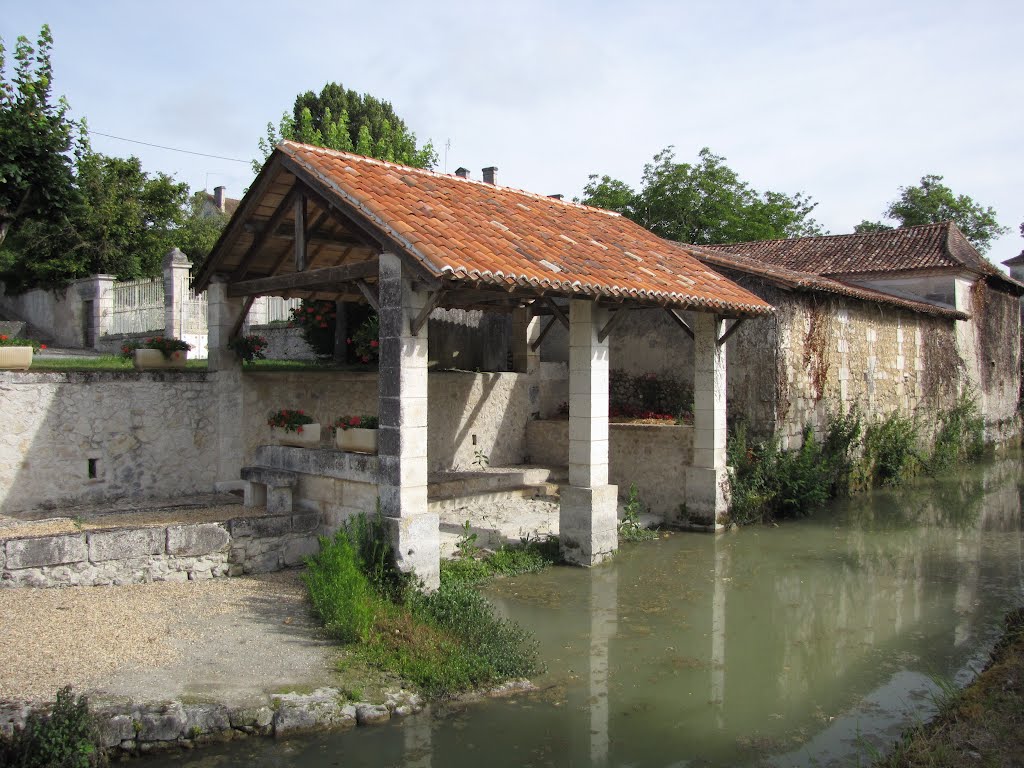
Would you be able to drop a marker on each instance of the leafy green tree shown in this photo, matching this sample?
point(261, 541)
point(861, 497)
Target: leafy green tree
point(931, 202)
point(200, 229)
point(35, 138)
point(342, 119)
point(121, 221)
point(703, 203)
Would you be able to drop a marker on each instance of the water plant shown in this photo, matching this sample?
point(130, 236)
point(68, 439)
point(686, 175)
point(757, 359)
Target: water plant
point(630, 528)
point(960, 435)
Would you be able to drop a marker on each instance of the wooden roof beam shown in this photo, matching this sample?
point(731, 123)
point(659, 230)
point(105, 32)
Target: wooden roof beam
point(275, 219)
point(311, 279)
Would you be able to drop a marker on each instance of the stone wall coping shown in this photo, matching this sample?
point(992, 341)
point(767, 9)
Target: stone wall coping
point(323, 462)
point(90, 377)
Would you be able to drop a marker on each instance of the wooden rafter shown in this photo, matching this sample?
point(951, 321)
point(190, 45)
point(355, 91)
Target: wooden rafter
point(421, 318)
point(558, 311)
point(370, 294)
point(240, 321)
point(612, 321)
point(729, 331)
point(535, 344)
point(275, 218)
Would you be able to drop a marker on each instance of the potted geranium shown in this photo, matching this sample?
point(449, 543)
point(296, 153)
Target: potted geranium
point(16, 352)
point(250, 347)
point(161, 352)
point(356, 433)
point(294, 427)
point(365, 341)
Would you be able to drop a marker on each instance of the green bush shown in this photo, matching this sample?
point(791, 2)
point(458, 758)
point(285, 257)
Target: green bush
point(630, 528)
point(960, 436)
point(528, 556)
point(340, 591)
point(890, 449)
point(67, 737)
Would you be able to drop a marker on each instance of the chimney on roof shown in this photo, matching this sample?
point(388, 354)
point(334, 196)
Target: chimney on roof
point(218, 198)
point(491, 175)
point(462, 173)
point(557, 197)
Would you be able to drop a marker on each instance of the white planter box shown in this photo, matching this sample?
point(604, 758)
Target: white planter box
point(154, 358)
point(356, 440)
point(309, 437)
point(15, 358)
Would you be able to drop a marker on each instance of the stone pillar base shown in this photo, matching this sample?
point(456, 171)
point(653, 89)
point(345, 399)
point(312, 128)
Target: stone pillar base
point(417, 541)
point(588, 523)
point(707, 497)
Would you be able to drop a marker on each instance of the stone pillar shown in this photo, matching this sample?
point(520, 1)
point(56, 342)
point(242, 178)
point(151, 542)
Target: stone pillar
point(707, 480)
point(99, 290)
point(967, 341)
point(226, 368)
point(177, 269)
point(525, 330)
point(588, 509)
point(402, 436)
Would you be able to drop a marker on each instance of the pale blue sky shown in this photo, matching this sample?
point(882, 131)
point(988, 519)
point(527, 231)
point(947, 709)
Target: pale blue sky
point(845, 101)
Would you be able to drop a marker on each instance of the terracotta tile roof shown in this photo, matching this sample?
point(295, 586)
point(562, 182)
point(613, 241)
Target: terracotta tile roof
point(931, 246)
point(797, 280)
point(469, 231)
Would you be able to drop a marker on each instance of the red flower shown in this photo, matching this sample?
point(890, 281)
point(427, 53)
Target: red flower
point(347, 341)
point(374, 343)
point(365, 359)
point(42, 346)
point(299, 429)
point(301, 413)
point(354, 421)
point(318, 318)
point(323, 325)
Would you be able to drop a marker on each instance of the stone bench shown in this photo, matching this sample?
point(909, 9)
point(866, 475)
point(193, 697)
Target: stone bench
point(269, 487)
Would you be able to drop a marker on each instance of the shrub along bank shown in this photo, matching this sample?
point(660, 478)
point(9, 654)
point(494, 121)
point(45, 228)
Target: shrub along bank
point(445, 642)
point(767, 482)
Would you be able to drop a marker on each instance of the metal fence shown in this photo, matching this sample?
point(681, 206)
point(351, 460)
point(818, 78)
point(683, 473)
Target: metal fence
point(138, 306)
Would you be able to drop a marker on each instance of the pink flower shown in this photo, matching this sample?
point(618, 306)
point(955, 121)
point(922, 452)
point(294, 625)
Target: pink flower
point(374, 344)
point(354, 421)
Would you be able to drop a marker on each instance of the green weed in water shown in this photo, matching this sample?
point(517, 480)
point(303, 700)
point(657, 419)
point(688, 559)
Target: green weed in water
point(66, 737)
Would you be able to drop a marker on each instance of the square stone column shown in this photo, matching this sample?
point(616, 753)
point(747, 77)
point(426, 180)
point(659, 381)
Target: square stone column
point(99, 290)
point(707, 480)
point(402, 435)
point(177, 269)
point(588, 518)
point(221, 315)
point(525, 331)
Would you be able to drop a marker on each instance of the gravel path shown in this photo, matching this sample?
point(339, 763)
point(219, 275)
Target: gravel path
point(228, 640)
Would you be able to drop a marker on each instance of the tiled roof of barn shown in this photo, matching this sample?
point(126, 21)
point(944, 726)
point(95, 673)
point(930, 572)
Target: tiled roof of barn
point(797, 280)
point(931, 246)
point(491, 236)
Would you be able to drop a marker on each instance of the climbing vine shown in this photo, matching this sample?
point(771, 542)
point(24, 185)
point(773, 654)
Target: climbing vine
point(817, 349)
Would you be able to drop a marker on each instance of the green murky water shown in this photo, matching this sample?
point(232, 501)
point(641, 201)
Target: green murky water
point(796, 645)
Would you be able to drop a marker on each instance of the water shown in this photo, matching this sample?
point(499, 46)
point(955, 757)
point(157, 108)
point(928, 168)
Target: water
point(800, 645)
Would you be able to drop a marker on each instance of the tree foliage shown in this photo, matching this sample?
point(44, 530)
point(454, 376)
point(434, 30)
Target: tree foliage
point(931, 202)
point(36, 136)
point(702, 203)
point(342, 119)
point(120, 221)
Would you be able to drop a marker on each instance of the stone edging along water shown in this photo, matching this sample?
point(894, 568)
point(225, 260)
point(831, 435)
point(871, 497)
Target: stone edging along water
point(138, 729)
point(133, 729)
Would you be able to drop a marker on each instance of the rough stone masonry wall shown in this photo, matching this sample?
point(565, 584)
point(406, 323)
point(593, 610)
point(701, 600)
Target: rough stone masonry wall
point(468, 412)
point(652, 456)
point(142, 434)
point(159, 553)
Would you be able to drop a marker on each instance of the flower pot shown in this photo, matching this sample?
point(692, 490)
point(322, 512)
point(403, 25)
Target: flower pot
point(154, 358)
point(15, 358)
point(309, 437)
point(356, 440)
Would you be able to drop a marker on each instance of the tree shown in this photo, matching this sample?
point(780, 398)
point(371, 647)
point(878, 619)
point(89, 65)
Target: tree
point(35, 138)
point(703, 203)
point(932, 202)
point(200, 229)
point(120, 221)
point(343, 119)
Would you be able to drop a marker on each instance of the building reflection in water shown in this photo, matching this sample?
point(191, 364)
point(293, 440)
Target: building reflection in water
point(604, 615)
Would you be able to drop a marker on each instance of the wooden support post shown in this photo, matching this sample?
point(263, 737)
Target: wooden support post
point(300, 233)
point(682, 323)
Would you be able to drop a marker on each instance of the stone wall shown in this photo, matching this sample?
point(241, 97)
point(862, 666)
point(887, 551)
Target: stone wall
point(650, 455)
point(160, 553)
point(89, 437)
point(58, 313)
point(469, 412)
point(283, 342)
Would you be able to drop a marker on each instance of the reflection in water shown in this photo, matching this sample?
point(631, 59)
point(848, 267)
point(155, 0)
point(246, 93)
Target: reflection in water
point(829, 629)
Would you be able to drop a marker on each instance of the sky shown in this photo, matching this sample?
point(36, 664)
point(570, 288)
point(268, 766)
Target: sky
point(843, 101)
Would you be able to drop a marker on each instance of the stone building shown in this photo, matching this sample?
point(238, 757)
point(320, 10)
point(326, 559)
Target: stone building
point(905, 319)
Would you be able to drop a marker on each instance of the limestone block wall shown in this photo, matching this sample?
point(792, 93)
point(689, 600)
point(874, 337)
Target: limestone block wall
point(283, 342)
point(467, 411)
point(652, 456)
point(160, 553)
point(92, 436)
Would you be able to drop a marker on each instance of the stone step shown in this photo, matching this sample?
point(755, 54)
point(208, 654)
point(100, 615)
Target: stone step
point(448, 485)
point(548, 491)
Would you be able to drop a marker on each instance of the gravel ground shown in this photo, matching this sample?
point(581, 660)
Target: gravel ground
point(229, 640)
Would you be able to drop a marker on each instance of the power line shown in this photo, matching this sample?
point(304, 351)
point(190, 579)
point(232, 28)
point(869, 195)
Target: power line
point(172, 149)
